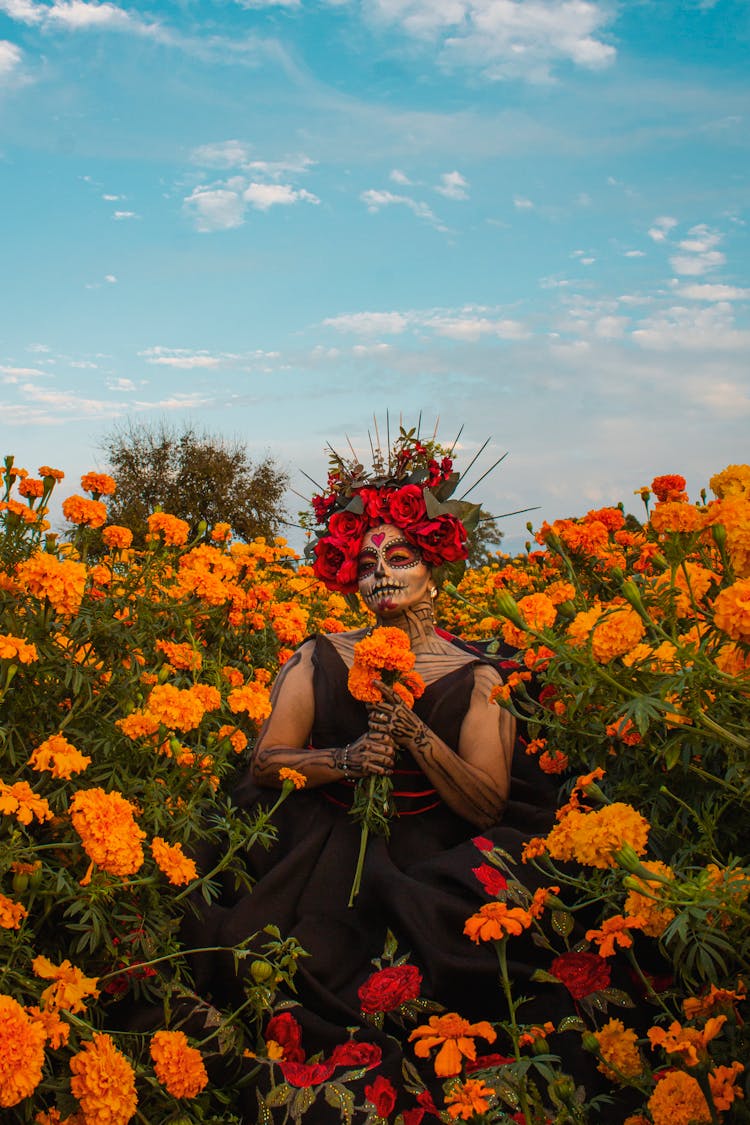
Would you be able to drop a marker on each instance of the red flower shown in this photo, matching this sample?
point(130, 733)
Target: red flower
point(425, 1100)
point(441, 540)
point(482, 843)
point(547, 694)
point(413, 1116)
point(347, 526)
point(490, 878)
point(356, 1054)
point(377, 504)
point(581, 973)
point(306, 1074)
point(336, 564)
point(321, 506)
point(390, 988)
point(382, 1095)
point(485, 1061)
point(284, 1030)
point(407, 506)
point(668, 487)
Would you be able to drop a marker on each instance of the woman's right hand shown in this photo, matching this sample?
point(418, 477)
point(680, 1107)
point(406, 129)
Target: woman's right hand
point(372, 753)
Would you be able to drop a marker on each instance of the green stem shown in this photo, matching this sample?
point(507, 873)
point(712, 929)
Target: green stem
point(362, 843)
point(722, 732)
point(503, 959)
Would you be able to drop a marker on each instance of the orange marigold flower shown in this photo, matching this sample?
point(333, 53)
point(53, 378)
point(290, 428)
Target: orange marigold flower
point(31, 488)
point(181, 655)
point(553, 761)
point(118, 537)
point(252, 699)
point(109, 834)
point(98, 482)
point(624, 730)
point(620, 1056)
point(221, 532)
point(732, 660)
point(732, 481)
point(235, 736)
point(716, 999)
point(289, 622)
point(56, 1031)
point(671, 486)
point(70, 988)
point(232, 675)
point(722, 1082)
point(85, 513)
point(175, 708)
point(643, 899)
point(103, 1082)
point(209, 696)
point(174, 531)
point(469, 1098)
point(21, 801)
point(21, 1053)
point(172, 861)
point(17, 649)
point(676, 516)
point(678, 1100)
point(616, 632)
point(688, 1043)
point(539, 900)
point(140, 724)
point(454, 1037)
point(535, 1034)
point(592, 838)
point(495, 921)
point(298, 780)
point(62, 582)
point(538, 611)
point(58, 756)
point(615, 931)
point(178, 1066)
point(46, 471)
point(533, 849)
point(732, 610)
point(11, 913)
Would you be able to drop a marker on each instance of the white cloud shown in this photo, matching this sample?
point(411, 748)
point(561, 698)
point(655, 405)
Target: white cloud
point(399, 177)
point(15, 374)
point(698, 253)
point(76, 14)
point(23, 11)
point(10, 58)
point(119, 215)
point(238, 154)
point(263, 196)
point(684, 328)
point(453, 186)
point(110, 279)
point(215, 209)
point(714, 293)
point(180, 358)
point(635, 254)
point(505, 38)
point(661, 227)
point(471, 328)
point(468, 324)
point(121, 384)
point(369, 323)
point(112, 198)
point(376, 200)
point(521, 203)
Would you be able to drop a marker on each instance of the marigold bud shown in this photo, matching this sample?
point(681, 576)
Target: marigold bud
point(506, 606)
point(261, 971)
point(589, 1042)
point(719, 533)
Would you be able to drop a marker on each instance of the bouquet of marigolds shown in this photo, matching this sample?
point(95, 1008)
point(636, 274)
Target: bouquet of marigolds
point(383, 655)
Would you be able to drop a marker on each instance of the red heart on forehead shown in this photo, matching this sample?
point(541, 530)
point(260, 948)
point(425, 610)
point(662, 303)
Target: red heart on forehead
point(378, 539)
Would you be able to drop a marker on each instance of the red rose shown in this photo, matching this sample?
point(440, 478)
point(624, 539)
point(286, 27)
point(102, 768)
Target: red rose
point(581, 973)
point(413, 1116)
point(485, 1061)
point(335, 565)
point(407, 506)
point(390, 988)
point(441, 540)
point(306, 1074)
point(356, 1054)
point(482, 843)
point(377, 504)
point(548, 694)
point(382, 1095)
point(347, 526)
point(285, 1031)
point(490, 878)
point(321, 506)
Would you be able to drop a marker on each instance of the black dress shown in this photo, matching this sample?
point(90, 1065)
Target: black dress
point(418, 884)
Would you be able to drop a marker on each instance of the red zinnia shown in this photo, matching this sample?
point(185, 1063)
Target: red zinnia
point(390, 988)
point(581, 973)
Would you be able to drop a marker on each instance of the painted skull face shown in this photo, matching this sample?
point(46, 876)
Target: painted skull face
point(390, 572)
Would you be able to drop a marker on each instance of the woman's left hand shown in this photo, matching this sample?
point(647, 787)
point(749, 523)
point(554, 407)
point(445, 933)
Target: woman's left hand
point(391, 716)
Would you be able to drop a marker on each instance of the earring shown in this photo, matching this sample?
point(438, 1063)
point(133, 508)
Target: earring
point(433, 592)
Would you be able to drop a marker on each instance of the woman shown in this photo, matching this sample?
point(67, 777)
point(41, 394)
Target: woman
point(390, 537)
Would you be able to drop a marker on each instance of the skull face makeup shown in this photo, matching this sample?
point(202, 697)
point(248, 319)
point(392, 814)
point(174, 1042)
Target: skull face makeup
point(390, 572)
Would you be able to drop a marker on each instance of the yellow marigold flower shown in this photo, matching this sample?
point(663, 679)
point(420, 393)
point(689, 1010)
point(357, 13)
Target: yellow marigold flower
point(454, 1037)
point(615, 633)
point(21, 1053)
point(173, 862)
point(253, 699)
point(11, 913)
point(385, 649)
point(470, 1098)
point(232, 675)
point(62, 582)
point(538, 611)
point(21, 801)
point(678, 1100)
point(289, 622)
point(174, 531)
point(46, 471)
point(643, 899)
point(614, 931)
point(56, 1031)
point(495, 921)
point(85, 513)
point(732, 610)
point(676, 516)
point(178, 1066)
point(592, 838)
point(721, 1081)
point(17, 649)
point(58, 756)
point(116, 537)
point(715, 999)
point(175, 708)
point(110, 837)
point(98, 482)
point(181, 655)
point(103, 1082)
point(140, 724)
point(70, 988)
point(235, 736)
point(298, 780)
point(688, 1043)
point(732, 481)
point(618, 1045)
point(209, 697)
point(732, 660)
point(221, 532)
point(734, 516)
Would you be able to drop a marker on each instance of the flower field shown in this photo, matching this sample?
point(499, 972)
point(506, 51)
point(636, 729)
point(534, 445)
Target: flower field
point(132, 685)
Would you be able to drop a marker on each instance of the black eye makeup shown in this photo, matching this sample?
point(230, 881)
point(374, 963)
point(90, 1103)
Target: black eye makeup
point(398, 554)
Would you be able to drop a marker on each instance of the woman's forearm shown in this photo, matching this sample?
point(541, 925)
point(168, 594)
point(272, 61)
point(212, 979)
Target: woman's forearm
point(464, 788)
point(318, 766)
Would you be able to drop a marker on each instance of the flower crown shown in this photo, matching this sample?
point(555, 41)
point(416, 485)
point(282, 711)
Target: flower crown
point(409, 487)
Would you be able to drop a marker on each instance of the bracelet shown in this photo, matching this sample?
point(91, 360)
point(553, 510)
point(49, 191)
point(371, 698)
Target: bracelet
point(341, 761)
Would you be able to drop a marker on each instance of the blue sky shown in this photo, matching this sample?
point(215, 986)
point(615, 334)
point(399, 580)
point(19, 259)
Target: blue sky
point(271, 220)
